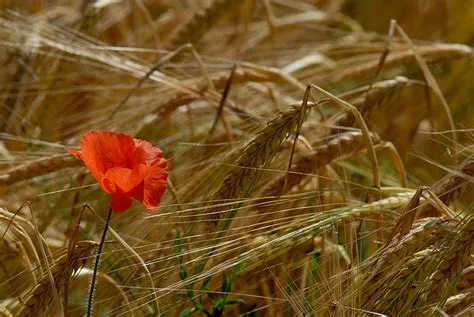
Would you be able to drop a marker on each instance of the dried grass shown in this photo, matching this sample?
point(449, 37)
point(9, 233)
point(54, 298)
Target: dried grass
point(39, 298)
point(286, 208)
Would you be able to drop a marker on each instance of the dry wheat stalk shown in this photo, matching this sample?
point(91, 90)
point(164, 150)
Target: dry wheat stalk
point(299, 19)
point(460, 304)
point(451, 186)
point(450, 264)
point(37, 167)
point(9, 246)
point(371, 96)
point(379, 269)
point(467, 278)
point(432, 53)
point(392, 202)
point(424, 278)
point(276, 256)
point(197, 89)
point(420, 238)
point(202, 21)
point(257, 153)
point(171, 105)
point(425, 233)
point(401, 282)
point(431, 81)
point(343, 144)
point(459, 250)
point(243, 171)
point(273, 251)
point(39, 298)
point(244, 73)
point(253, 156)
point(19, 231)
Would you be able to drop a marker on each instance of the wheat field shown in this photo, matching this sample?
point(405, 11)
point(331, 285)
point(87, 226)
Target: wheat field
point(320, 157)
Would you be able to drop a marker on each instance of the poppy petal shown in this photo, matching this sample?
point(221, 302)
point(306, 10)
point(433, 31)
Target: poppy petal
point(119, 202)
point(125, 178)
point(137, 192)
point(163, 163)
point(154, 186)
point(102, 150)
point(108, 185)
point(146, 153)
point(125, 167)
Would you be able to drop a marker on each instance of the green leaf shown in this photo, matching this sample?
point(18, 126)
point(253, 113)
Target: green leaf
point(187, 312)
point(218, 303)
point(225, 284)
point(236, 270)
point(183, 274)
point(205, 283)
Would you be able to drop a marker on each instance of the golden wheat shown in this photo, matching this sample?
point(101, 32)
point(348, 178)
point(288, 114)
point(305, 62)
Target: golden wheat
point(37, 168)
point(343, 144)
point(272, 214)
point(39, 298)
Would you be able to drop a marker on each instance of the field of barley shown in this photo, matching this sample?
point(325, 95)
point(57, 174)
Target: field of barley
point(320, 157)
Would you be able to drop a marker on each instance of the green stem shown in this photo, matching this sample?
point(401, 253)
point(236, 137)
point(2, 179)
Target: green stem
point(96, 264)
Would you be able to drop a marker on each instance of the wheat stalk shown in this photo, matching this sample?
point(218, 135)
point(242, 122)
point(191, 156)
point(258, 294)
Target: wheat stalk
point(202, 21)
point(399, 284)
point(256, 154)
point(450, 264)
point(431, 53)
point(467, 278)
point(451, 186)
point(20, 231)
point(39, 298)
point(343, 144)
point(381, 267)
point(425, 275)
point(371, 96)
point(37, 167)
point(460, 304)
point(247, 167)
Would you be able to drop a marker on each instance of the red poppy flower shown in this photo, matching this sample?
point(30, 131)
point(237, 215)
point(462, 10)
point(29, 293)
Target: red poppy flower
point(125, 167)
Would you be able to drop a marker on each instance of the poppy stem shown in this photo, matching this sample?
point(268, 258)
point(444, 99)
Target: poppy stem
point(96, 264)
